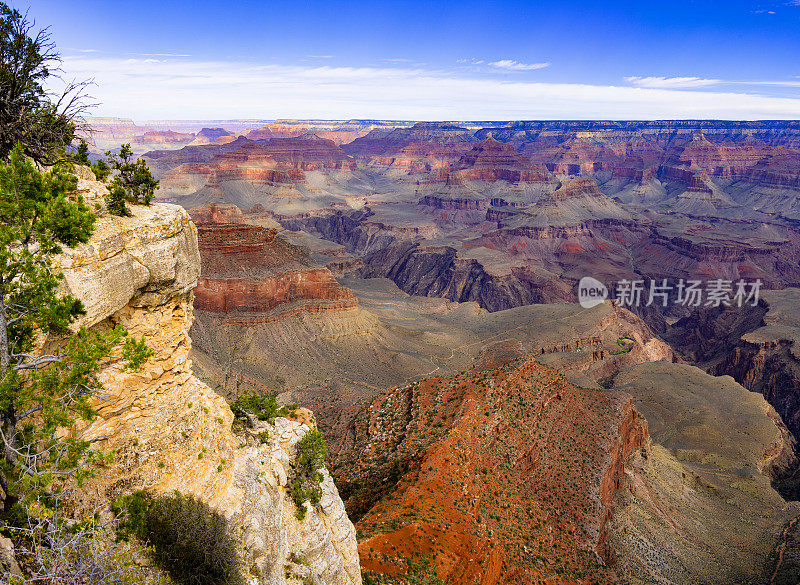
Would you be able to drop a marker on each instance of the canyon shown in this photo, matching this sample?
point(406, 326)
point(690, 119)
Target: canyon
point(414, 285)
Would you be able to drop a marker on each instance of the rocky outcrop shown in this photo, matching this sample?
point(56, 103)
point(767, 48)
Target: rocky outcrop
point(169, 431)
point(757, 346)
point(437, 271)
point(252, 274)
point(715, 450)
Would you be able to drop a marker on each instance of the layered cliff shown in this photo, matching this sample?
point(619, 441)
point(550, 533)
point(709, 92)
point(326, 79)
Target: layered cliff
point(168, 430)
point(490, 161)
point(422, 147)
point(757, 346)
point(252, 274)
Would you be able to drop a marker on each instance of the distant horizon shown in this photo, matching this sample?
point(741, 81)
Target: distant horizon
point(440, 121)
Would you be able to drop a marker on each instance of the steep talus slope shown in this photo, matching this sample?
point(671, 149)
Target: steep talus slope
point(504, 475)
point(700, 508)
point(168, 430)
point(757, 346)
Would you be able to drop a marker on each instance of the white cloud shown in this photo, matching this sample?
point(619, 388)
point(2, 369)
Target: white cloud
point(672, 82)
point(772, 83)
point(190, 89)
point(698, 82)
point(161, 54)
point(320, 56)
point(511, 65)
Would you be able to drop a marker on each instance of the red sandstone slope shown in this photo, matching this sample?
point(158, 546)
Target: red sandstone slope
point(503, 476)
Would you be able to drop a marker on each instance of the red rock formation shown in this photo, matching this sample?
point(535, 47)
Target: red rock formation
point(251, 273)
point(765, 154)
point(216, 213)
point(576, 188)
point(340, 132)
point(502, 475)
point(247, 295)
point(422, 147)
point(491, 161)
point(212, 136)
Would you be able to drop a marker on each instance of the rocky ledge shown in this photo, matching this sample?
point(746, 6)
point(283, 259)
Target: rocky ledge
point(169, 431)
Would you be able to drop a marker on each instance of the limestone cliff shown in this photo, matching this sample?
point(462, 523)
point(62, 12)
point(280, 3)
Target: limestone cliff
point(169, 431)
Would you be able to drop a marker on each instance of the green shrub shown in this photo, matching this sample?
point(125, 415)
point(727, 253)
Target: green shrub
point(423, 572)
point(305, 486)
point(133, 182)
point(262, 406)
point(101, 170)
point(81, 154)
point(131, 512)
point(312, 452)
point(187, 539)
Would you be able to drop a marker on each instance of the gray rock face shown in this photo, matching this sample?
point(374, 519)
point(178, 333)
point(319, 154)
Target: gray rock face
point(151, 256)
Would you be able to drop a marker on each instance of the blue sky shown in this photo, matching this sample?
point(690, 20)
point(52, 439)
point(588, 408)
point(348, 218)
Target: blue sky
point(432, 60)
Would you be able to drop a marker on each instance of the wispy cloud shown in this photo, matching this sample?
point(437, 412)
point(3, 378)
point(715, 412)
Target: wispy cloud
point(671, 82)
point(161, 54)
point(192, 89)
point(397, 60)
point(701, 82)
point(320, 56)
point(511, 65)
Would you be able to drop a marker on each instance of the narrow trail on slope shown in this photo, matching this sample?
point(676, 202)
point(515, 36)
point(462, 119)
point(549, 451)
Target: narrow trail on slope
point(781, 548)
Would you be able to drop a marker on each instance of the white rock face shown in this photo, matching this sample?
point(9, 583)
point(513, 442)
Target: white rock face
point(169, 430)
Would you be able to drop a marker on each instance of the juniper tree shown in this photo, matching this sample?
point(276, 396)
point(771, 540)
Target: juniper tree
point(44, 122)
point(45, 390)
point(133, 182)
